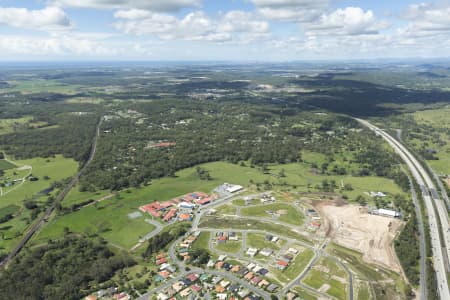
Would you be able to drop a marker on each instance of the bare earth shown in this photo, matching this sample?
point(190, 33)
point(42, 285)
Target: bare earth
point(371, 235)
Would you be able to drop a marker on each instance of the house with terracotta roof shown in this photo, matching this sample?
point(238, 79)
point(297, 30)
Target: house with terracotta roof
point(281, 264)
point(235, 268)
point(152, 209)
point(219, 265)
point(164, 274)
point(185, 217)
point(161, 261)
point(220, 289)
point(161, 255)
point(166, 204)
point(248, 276)
point(170, 214)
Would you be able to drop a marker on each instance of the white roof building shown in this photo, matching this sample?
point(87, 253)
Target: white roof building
point(387, 212)
point(266, 252)
point(186, 205)
point(252, 252)
point(222, 257)
point(293, 251)
point(232, 188)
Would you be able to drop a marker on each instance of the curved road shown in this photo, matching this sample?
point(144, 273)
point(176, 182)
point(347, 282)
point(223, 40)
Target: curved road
point(427, 186)
point(43, 219)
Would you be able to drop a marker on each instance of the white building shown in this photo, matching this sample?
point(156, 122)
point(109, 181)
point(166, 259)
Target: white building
point(252, 252)
point(377, 194)
point(386, 212)
point(186, 205)
point(293, 250)
point(222, 257)
point(266, 252)
point(232, 188)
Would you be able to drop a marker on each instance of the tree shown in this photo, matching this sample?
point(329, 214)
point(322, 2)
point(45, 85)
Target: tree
point(361, 200)
point(66, 231)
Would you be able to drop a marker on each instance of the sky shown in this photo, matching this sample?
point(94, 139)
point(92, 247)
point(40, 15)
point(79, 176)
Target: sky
point(223, 30)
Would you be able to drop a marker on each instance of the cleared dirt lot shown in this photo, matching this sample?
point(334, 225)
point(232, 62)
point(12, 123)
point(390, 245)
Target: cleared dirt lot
point(354, 228)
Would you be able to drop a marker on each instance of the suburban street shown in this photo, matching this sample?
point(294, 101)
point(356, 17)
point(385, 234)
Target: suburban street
point(427, 186)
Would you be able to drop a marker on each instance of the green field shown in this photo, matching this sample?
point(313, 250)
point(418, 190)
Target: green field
point(295, 268)
point(439, 119)
point(202, 241)
point(226, 209)
point(121, 231)
point(108, 219)
point(381, 281)
point(56, 168)
point(75, 196)
point(229, 246)
point(317, 278)
point(363, 291)
point(242, 223)
point(6, 165)
point(12, 125)
point(40, 86)
point(259, 241)
point(9, 210)
point(292, 216)
point(299, 264)
point(239, 202)
point(304, 294)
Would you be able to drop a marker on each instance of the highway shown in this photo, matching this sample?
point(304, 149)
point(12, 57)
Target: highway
point(440, 247)
point(423, 265)
point(43, 219)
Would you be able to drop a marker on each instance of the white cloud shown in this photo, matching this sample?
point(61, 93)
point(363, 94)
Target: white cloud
point(62, 45)
point(347, 21)
point(154, 5)
point(196, 26)
point(428, 18)
point(291, 10)
point(239, 21)
point(49, 18)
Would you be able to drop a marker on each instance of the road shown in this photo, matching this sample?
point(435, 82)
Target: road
point(423, 265)
point(182, 272)
point(441, 187)
point(43, 219)
point(427, 186)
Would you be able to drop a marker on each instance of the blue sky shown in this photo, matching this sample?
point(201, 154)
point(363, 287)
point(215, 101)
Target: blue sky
point(231, 30)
